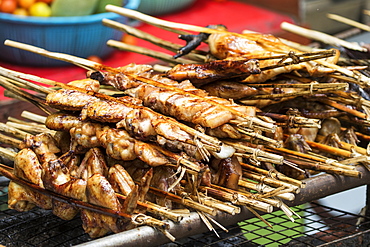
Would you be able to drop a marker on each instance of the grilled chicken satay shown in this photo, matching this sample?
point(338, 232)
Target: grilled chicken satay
point(100, 192)
point(55, 175)
point(93, 162)
point(162, 178)
point(27, 167)
point(256, 44)
point(120, 179)
point(29, 164)
point(57, 178)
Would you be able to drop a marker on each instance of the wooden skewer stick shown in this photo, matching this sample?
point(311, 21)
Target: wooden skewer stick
point(13, 131)
point(322, 37)
point(30, 128)
point(173, 26)
point(34, 117)
point(189, 203)
point(275, 174)
point(6, 153)
point(258, 153)
point(347, 146)
point(263, 188)
point(14, 142)
point(155, 209)
point(312, 86)
point(270, 181)
point(327, 168)
point(150, 53)
point(293, 94)
point(349, 22)
point(358, 78)
point(342, 107)
point(220, 205)
point(330, 149)
point(296, 156)
point(236, 198)
point(195, 55)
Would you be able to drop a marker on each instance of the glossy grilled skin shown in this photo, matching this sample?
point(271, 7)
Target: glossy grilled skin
point(187, 103)
point(100, 192)
point(200, 74)
point(229, 90)
point(255, 45)
point(117, 142)
point(27, 167)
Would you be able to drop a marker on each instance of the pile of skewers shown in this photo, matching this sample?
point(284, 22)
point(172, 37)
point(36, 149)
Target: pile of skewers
point(239, 125)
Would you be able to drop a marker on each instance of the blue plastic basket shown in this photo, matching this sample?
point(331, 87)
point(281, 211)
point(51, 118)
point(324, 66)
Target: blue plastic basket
point(81, 36)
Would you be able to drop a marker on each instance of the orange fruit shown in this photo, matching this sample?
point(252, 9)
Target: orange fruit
point(20, 11)
point(45, 1)
point(40, 9)
point(8, 6)
point(26, 3)
point(95, 59)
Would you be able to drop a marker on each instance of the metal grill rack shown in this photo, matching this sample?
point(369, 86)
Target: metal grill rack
point(330, 226)
point(323, 229)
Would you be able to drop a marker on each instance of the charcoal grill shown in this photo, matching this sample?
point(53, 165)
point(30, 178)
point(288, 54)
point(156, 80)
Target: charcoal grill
point(41, 228)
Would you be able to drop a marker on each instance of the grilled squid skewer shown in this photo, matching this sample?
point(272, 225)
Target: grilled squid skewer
point(139, 121)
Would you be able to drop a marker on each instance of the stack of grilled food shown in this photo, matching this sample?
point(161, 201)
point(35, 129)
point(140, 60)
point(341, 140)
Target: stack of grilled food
point(239, 123)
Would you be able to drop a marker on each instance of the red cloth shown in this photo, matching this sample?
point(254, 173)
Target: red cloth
point(235, 15)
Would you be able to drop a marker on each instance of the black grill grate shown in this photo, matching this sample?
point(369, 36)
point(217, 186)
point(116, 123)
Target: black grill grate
point(319, 226)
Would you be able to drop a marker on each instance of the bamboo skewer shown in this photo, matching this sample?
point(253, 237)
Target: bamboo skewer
point(322, 37)
point(263, 188)
point(255, 153)
point(150, 53)
point(222, 206)
point(293, 121)
point(193, 55)
point(315, 166)
point(328, 169)
point(347, 146)
point(236, 198)
point(342, 108)
point(275, 174)
point(312, 86)
point(155, 209)
point(293, 94)
point(167, 25)
point(13, 131)
point(330, 149)
point(270, 181)
point(34, 117)
point(349, 22)
point(186, 202)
